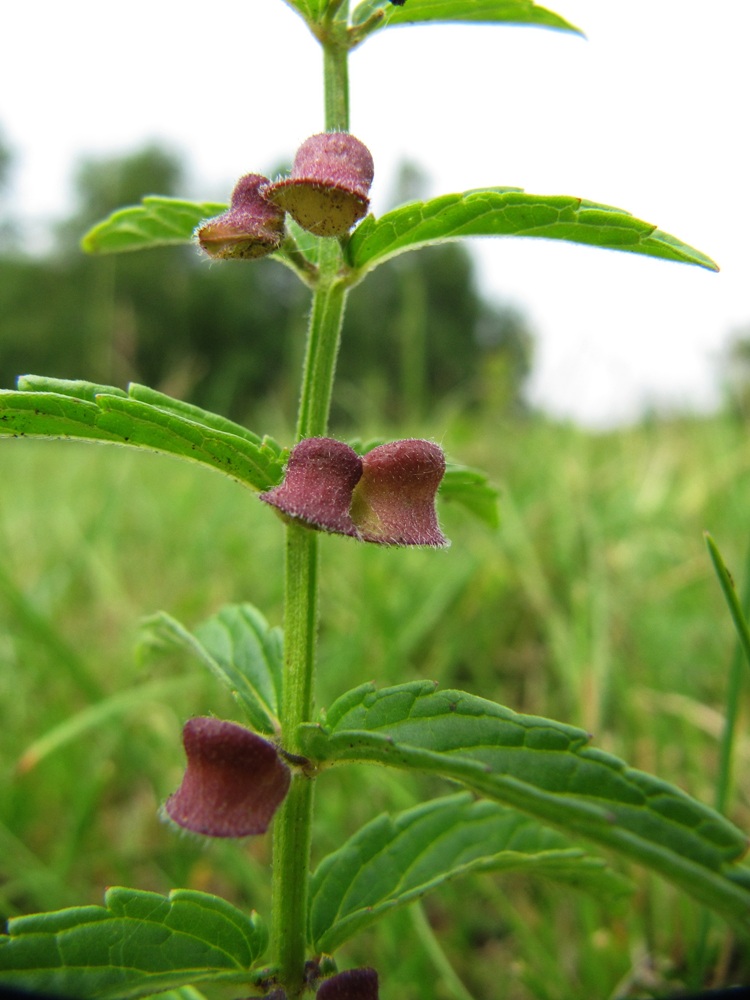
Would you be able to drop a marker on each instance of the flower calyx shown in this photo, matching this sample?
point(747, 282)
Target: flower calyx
point(234, 782)
point(328, 189)
point(386, 497)
point(251, 227)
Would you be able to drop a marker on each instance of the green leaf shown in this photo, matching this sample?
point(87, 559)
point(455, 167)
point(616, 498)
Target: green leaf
point(156, 222)
point(462, 11)
point(511, 212)
point(241, 649)
point(137, 944)
point(473, 491)
point(546, 769)
point(57, 408)
point(394, 861)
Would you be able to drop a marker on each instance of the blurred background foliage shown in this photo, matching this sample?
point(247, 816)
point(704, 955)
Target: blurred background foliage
point(595, 603)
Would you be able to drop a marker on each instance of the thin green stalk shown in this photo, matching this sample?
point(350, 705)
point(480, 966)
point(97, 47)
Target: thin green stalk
point(450, 978)
point(740, 614)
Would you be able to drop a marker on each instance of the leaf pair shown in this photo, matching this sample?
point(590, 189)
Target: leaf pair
point(142, 942)
point(482, 212)
point(437, 11)
point(547, 770)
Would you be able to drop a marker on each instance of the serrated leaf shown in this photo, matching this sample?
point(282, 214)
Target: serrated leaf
point(462, 11)
point(57, 408)
point(511, 212)
point(156, 222)
point(473, 491)
point(547, 770)
point(213, 420)
point(241, 649)
point(137, 944)
point(393, 861)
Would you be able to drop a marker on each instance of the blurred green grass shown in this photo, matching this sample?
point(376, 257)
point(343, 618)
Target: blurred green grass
point(595, 603)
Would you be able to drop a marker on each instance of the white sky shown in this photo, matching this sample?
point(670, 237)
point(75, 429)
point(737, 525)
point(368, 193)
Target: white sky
point(648, 114)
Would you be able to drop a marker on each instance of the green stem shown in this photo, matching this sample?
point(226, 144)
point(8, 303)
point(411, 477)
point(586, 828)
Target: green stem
point(291, 841)
point(293, 823)
point(291, 844)
point(326, 317)
point(336, 66)
point(336, 71)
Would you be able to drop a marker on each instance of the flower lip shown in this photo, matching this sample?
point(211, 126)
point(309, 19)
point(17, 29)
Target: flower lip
point(251, 227)
point(234, 781)
point(328, 189)
point(317, 489)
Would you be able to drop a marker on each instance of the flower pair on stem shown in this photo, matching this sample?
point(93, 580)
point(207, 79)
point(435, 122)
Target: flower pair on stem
point(326, 194)
point(386, 497)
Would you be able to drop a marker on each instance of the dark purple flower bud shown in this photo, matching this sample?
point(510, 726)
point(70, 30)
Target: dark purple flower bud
point(252, 226)
point(394, 501)
point(354, 984)
point(320, 476)
point(234, 782)
point(328, 190)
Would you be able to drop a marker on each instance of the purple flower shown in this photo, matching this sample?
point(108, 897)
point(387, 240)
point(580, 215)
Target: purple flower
point(394, 501)
point(252, 227)
point(320, 476)
point(234, 782)
point(328, 189)
point(387, 497)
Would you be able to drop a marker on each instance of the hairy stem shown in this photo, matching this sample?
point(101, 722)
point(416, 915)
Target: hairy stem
point(292, 826)
point(336, 69)
point(291, 843)
point(326, 317)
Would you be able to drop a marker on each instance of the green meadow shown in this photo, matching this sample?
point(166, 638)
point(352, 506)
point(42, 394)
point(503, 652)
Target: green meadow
point(595, 602)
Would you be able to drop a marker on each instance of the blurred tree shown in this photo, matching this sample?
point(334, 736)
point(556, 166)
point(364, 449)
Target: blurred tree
point(7, 228)
point(735, 373)
point(103, 185)
point(6, 158)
